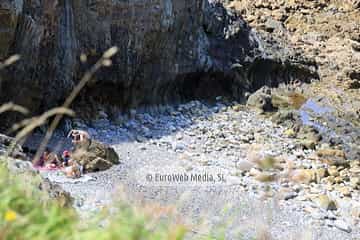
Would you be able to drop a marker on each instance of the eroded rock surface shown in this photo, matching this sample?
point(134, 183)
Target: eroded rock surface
point(95, 156)
point(170, 50)
point(8, 21)
point(327, 31)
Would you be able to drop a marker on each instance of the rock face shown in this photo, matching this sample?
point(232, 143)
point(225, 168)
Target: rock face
point(170, 50)
point(8, 22)
point(327, 31)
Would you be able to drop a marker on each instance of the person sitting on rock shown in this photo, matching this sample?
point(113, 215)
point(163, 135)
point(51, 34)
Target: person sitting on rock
point(43, 159)
point(79, 138)
point(73, 170)
point(90, 154)
point(48, 159)
point(65, 158)
point(52, 161)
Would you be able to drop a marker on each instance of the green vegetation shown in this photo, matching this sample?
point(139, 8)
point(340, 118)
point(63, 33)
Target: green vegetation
point(25, 214)
point(28, 213)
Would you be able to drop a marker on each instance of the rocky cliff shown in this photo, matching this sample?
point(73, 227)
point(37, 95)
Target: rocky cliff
point(327, 31)
point(170, 50)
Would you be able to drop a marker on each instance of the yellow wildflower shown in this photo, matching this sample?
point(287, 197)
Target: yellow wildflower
point(10, 216)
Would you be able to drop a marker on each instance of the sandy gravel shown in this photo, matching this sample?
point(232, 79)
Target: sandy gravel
point(176, 147)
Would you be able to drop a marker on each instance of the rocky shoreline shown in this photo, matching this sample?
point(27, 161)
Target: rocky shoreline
point(289, 163)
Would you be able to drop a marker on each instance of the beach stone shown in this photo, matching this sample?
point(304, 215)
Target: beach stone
point(244, 165)
point(320, 174)
point(303, 176)
point(338, 180)
point(290, 195)
point(254, 172)
point(355, 182)
point(356, 46)
point(330, 180)
point(265, 177)
point(342, 225)
point(316, 213)
point(355, 211)
point(330, 215)
point(332, 157)
point(345, 191)
point(324, 202)
point(330, 153)
point(333, 171)
point(308, 144)
point(355, 170)
point(345, 173)
point(355, 163)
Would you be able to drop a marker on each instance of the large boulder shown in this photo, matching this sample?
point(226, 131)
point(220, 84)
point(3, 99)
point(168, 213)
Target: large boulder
point(170, 50)
point(95, 156)
point(261, 100)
